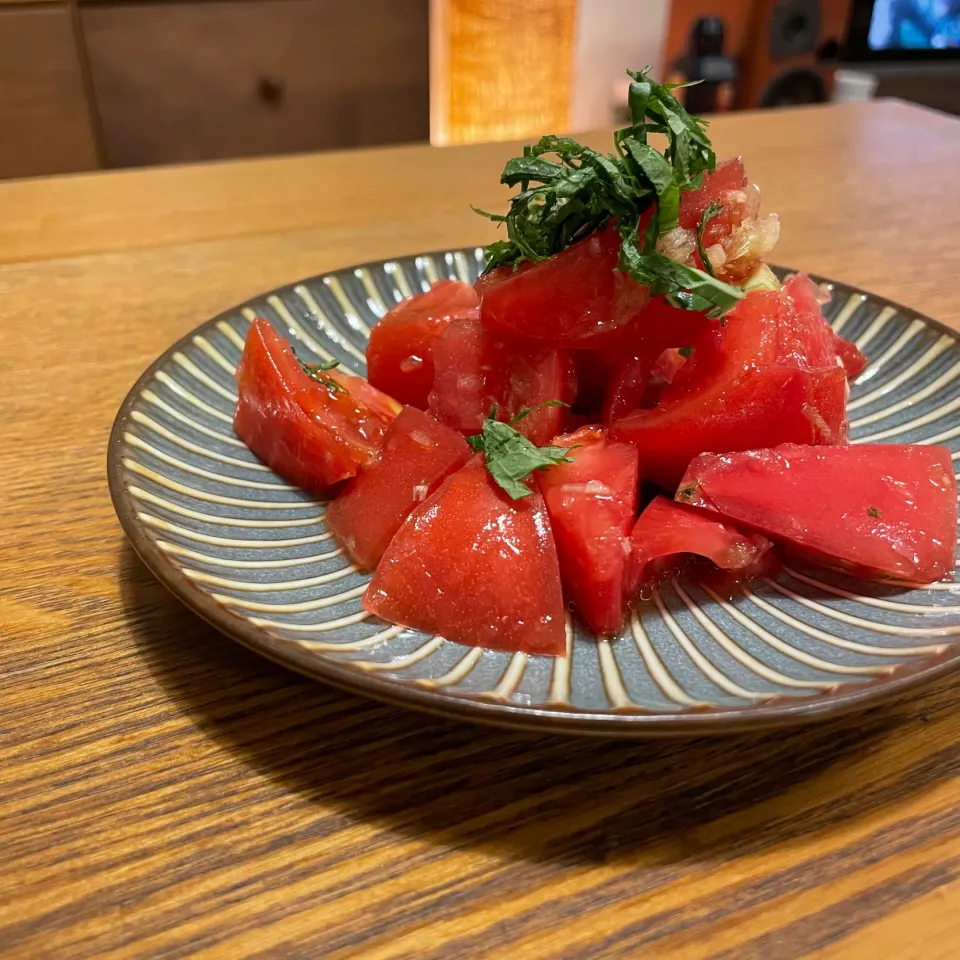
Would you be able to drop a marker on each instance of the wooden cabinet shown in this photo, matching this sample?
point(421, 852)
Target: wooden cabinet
point(84, 84)
point(201, 80)
point(45, 120)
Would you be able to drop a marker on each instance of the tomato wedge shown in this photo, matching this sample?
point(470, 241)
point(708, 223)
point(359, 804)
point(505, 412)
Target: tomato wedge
point(765, 377)
point(576, 298)
point(592, 502)
point(667, 529)
point(476, 368)
point(807, 299)
point(475, 567)
point(417, 453)
point(400, 352)
point(879, 510)
point(309, 434)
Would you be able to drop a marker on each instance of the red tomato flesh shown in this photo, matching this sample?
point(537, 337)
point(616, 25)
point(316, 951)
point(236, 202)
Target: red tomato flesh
point(807, 299)
point(573, 299)
point(635, 386)
point(476, 567)
point(592, 502)
point(666, 529)
point(476, 368)
point(729, 175)
point(764, 378)
point(639, 358)
point(886, 510)
point(312, 436)
point(416, 455)
point(854, 362)
point(400, 352)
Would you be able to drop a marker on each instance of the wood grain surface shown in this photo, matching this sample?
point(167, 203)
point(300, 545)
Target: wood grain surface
point(164, 793)
point(45, 121)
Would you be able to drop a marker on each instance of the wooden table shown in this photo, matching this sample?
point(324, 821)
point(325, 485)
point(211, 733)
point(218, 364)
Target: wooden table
point(164, 793)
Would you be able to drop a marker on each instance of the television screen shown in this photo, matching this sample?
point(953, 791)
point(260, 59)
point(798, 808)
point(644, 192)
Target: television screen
point(915, 25)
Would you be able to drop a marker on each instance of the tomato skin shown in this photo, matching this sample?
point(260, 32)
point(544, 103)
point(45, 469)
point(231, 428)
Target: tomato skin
point(400, 351)
point(879, 510)
point(592, 502)
point(417, 454)
point(476, 368)
point(666, 529)
point(310, 435)
point(754, 382)
point(574, 299)
point(476, 567)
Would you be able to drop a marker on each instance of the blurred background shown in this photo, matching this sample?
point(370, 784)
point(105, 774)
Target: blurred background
point(88, 84)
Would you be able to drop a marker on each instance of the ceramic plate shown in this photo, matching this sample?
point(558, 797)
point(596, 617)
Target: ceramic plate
point(253, 555)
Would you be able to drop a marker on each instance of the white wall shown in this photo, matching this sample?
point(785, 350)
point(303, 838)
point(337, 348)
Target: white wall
point(611, 36)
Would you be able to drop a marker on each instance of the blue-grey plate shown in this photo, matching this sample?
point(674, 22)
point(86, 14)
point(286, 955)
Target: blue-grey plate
point(253, 555)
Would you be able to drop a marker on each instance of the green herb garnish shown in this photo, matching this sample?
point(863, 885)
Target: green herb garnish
point(685, 351)
point(510, 456)
point(564, 200)
point(713, 211)
point(874, 512)
point(316, 371)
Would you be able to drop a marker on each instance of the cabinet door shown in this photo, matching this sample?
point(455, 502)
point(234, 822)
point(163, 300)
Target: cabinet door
point(45, 124)
point(202, 80)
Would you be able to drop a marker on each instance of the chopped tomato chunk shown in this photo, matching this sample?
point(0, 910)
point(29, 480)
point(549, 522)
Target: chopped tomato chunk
point(400, 352)
point(312, 435)
point(667, 529)
point(729, 175)
point(766, 376)
point(876, 509)
point(854, 362)
point(475, 567)
point(476, 368)
point(627, 388)
point(736, 239)
point(574, 299)
point(592, 502)
point(417, 453)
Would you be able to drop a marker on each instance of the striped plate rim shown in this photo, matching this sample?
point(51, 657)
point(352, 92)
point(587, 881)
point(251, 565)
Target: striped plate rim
point(562, 718)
